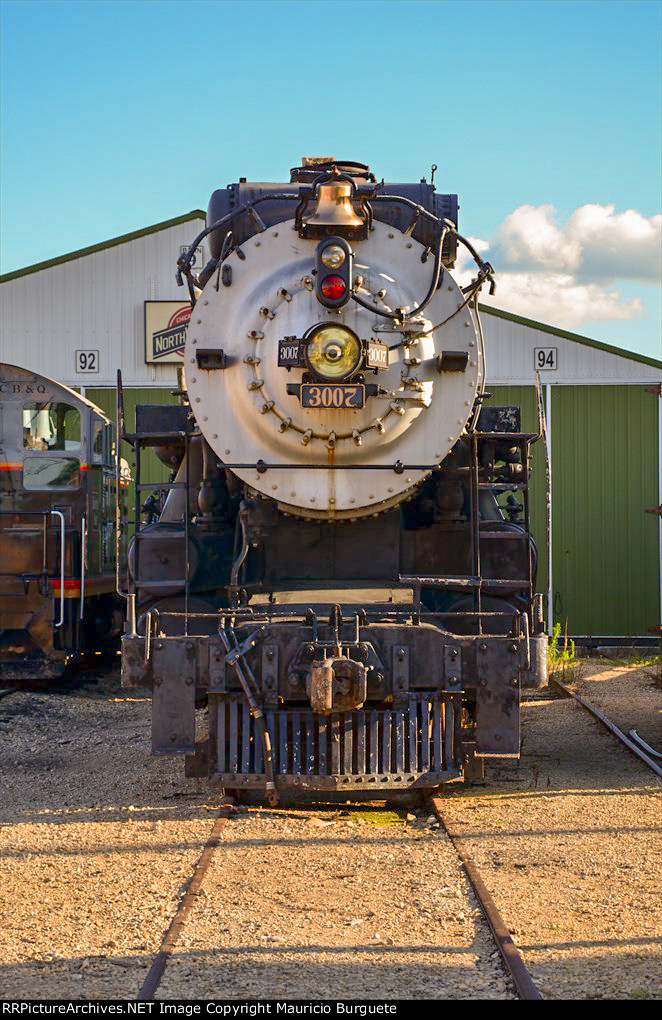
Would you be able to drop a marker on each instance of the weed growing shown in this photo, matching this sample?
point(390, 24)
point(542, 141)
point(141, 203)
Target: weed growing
point(562, 661)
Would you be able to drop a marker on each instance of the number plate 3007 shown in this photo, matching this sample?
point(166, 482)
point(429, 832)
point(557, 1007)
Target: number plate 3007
point(332, 397)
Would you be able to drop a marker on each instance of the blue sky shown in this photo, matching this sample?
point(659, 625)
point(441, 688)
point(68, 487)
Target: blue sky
point(543, 116)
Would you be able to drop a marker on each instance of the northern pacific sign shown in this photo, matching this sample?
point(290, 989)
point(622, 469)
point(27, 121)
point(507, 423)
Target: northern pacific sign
point(165, 331)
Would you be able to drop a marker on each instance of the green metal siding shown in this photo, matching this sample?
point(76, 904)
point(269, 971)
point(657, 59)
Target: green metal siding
point(606, 551)
point(605, 474)
point(152, 469)
point(524, 397)
point(605, 466)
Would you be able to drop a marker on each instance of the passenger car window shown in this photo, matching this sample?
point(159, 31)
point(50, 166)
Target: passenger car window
point(97, 443)
point(51, 426)
point(46, 472)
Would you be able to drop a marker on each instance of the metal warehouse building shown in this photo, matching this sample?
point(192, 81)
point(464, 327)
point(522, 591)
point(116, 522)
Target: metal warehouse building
point(80, 317)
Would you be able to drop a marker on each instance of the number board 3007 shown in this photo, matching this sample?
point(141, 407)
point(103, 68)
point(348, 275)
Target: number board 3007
point(545, 359)
point(332, 397)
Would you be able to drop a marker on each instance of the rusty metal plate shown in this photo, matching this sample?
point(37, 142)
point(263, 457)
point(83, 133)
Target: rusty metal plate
point(321, 687)
point(497, 697)
point(173, 698)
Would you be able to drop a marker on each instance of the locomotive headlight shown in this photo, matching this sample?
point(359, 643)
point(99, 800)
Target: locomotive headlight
point(332, 256)
point(333, 351)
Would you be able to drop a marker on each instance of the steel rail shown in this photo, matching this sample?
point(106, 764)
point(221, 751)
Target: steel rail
point(153, 979)
point(601, 717)
point(512, 958)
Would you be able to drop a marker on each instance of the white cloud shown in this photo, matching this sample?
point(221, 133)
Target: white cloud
point(568, 274)
point(595, 242)
point(560, 299)
point(617, 245)
point(529, 238)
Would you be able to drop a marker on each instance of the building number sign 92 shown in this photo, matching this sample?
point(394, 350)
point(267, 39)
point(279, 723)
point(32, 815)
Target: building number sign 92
point(545, 358)
point(87, 361)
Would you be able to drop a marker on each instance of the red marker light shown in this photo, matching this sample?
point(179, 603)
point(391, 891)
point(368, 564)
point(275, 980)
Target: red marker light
point(333, 287)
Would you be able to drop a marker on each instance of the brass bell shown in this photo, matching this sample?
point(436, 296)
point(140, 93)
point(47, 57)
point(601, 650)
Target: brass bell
point(333, 212)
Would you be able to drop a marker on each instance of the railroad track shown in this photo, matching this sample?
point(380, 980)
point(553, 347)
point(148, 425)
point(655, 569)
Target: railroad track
point(156, 971)
point(511, 958)
point(510, 955)
point(632, 740)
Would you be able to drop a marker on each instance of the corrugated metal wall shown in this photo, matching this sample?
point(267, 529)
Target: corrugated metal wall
point(605, 546)
point(510, 347)
point(606, 551)
point(152, 469)
point(94, 302)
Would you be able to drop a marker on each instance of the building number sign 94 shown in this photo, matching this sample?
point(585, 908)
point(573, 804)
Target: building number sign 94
point(318, 395)
point(545, 359)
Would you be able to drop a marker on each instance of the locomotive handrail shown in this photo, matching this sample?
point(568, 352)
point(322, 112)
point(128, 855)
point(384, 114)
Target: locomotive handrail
point(399, 468)
point(129, 597)
point(527, 637)
point(184, 261)
point(83, 540)
point(461, 583)
point(44, 514)
point(58, 513)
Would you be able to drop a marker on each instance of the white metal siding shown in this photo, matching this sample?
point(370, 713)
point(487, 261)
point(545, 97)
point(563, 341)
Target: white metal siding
point(97, 301)
point(94, 301)
point(510, 350)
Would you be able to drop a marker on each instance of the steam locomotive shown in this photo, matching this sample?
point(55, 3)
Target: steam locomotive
point(341, 569)
point(57, 546)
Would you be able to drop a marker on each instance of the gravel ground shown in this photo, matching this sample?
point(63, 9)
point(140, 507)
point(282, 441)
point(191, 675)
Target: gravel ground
point(568, 843)
point(97, 840)
point(355, 903)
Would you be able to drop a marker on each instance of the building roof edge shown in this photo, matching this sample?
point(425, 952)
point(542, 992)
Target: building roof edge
point(575, 337)
point(195, 214)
